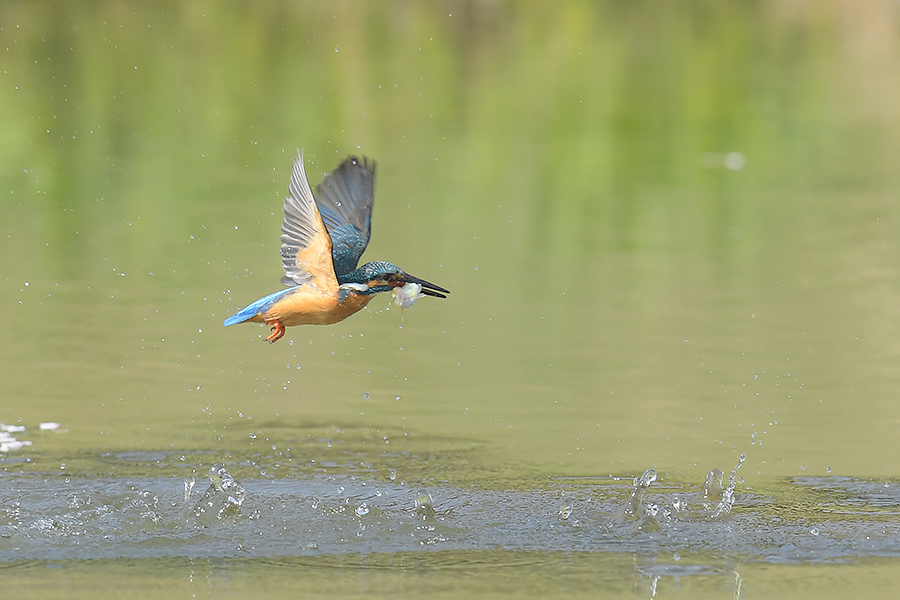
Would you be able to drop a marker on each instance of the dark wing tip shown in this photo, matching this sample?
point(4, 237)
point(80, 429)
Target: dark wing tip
point(354, 161)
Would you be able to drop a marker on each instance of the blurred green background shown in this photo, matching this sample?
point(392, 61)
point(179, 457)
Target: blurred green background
point(670, 229)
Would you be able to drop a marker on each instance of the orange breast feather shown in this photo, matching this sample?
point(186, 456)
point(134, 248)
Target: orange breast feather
point(309, 306)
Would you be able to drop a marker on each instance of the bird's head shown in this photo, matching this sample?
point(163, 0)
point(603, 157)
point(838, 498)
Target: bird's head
point(380, 276)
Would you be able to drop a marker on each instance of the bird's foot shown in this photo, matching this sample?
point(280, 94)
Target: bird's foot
point(277, 332)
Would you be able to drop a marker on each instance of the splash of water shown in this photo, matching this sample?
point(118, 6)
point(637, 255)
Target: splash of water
point(634, 508)
point(723, 509)
point(425, 505)
point(226, 486)
point(223, 497)
point(714, 485)
point(188, 486)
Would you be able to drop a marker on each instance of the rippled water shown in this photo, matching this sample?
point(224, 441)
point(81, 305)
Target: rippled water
point(671, 532)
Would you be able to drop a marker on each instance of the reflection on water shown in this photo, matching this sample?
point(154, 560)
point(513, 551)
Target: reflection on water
point(672, 235)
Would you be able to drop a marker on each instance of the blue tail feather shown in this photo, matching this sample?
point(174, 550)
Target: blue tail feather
point(260, 306)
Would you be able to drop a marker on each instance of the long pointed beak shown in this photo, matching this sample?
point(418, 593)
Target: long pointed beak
point(428, 288)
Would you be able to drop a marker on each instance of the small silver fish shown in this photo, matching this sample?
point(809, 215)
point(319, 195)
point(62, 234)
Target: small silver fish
point(407, 295)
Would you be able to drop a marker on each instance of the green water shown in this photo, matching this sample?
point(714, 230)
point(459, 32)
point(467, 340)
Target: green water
point(671, 233)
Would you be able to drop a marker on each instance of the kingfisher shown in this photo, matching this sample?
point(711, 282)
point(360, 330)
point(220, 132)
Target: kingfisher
point(322, 240)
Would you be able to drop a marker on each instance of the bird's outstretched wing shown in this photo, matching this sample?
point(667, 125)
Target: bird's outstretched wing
point(305, 245)
point(345, 202)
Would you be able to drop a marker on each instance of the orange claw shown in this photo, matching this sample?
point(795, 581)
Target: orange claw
point(277, 332)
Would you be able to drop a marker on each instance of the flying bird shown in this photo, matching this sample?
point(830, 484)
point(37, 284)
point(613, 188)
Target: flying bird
point(323, 238)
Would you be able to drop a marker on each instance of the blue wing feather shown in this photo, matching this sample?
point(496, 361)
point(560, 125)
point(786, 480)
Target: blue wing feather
point(344, 199)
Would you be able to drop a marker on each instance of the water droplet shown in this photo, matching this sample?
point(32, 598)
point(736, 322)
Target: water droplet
point(362, 510)
point(734, 161)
